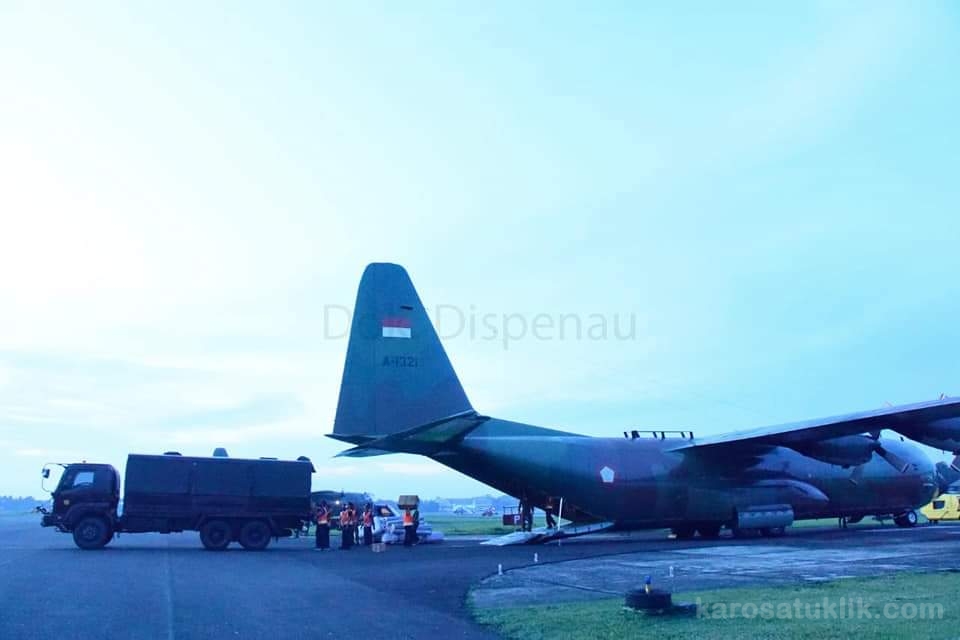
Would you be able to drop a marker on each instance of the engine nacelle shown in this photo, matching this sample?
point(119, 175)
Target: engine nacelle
point(939, 434)
point(845, 451)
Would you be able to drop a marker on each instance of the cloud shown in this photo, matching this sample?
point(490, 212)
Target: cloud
point(244, 434)
point(340, 472)
point(49, 454)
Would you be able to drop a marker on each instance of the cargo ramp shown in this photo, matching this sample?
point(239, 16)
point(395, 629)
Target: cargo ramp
point(543, 535)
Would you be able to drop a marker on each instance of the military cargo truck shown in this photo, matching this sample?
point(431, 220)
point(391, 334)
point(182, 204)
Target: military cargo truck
point(225, 499)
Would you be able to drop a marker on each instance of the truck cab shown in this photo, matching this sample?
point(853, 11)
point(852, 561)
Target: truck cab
point(85, 503)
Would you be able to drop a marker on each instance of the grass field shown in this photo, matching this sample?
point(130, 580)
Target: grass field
point(904, 605)
point(468, 525)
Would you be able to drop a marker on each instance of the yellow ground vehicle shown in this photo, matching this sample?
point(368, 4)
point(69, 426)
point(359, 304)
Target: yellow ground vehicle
point(943, 507)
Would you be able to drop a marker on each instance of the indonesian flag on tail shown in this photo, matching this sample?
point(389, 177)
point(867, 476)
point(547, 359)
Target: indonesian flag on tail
point(396, 328)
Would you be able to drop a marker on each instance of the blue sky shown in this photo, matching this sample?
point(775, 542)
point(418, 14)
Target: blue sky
point(189, 195)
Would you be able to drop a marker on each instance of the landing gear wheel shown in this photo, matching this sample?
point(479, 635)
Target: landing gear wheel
point(92, 532)
point(255, 535)
point(709, 531)
point(216, 535)
point(684, 532)
point(772, 532)
point(906, 519)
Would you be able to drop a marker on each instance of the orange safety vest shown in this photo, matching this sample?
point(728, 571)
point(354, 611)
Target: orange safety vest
point(344, 518)
point(407, 518)
point(322, 517)
point(368, 519)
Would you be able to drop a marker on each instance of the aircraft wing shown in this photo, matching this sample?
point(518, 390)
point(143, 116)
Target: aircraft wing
point(909, 419)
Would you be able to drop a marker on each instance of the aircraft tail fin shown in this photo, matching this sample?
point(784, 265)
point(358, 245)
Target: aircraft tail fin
point(397, 376)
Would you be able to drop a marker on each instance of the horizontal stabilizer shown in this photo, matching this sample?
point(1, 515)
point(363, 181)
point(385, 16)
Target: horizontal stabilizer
point(426, 439)
point(362, 452)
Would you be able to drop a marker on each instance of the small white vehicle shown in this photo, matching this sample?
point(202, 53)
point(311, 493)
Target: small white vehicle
point(388, 525)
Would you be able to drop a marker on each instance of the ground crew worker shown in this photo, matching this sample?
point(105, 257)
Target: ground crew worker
point(416, 522)
point(551, 523)
point(526, 514)
point(354, 529)
point(323, 526)
point(408, 530)
point(346, 536)
point(368, 525)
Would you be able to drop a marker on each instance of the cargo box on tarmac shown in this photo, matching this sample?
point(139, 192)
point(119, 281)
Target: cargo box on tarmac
point(408, 502)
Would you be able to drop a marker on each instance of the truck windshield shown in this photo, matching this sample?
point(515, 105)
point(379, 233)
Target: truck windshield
point(82, 478)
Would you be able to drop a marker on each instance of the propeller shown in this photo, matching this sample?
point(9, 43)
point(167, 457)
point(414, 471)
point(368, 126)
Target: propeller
point(890, 457)
point(856, 475)
point(893, 459)
point(947, 474)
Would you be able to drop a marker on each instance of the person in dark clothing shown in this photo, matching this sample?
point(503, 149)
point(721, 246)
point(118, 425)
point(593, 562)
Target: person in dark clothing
point(408, 530)
point(323, 526)
point(368, 525)
point(416, 523)
point(526, 515)
point(548, 509)
point(346, 535)
point(355, 523)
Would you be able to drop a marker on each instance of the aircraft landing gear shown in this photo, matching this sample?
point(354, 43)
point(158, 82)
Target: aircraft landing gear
point(906, 519)
point(684, 532)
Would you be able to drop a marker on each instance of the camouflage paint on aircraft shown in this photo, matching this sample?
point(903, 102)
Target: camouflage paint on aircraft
point(400, 394)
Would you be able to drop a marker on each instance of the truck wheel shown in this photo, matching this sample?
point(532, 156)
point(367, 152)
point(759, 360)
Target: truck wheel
point(255, 535)
point(92, 532)
point(709, 531)
point(215, 535)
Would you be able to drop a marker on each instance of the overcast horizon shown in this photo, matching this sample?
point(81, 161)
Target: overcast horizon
point(765, 196)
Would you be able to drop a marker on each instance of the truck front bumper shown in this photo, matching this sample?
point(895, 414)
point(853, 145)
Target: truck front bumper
point(50, 520)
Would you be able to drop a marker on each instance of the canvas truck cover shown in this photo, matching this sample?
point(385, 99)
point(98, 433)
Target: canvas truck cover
point(178, 485)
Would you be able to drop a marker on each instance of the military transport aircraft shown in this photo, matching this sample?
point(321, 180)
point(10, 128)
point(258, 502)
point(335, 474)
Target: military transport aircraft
point(400, 394)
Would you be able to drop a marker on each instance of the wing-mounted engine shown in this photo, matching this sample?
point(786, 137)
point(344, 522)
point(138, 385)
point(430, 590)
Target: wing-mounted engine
point(940, 434)
point(850, 451)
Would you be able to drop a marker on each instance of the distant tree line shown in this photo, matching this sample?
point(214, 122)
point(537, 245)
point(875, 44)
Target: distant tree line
point(20, 503)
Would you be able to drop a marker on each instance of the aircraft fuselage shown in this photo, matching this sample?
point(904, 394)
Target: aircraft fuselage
point(641, 483)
